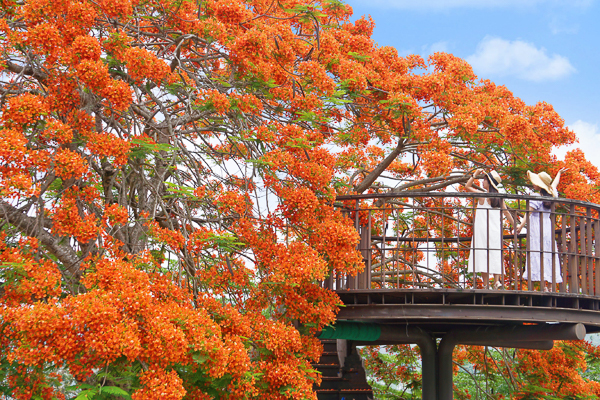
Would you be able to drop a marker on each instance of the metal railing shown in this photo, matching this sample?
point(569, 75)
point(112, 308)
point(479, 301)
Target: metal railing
point(425, 241)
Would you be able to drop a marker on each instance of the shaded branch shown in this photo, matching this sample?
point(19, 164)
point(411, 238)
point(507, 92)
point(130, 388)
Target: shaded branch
point(29, 227)
point(373, 175)
point(17, 69)
point(441, 185)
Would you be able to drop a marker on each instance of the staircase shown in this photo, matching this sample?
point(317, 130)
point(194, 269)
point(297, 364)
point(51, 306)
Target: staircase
point(342, 372)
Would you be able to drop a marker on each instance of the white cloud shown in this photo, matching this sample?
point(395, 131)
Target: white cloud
point(495, 56)
point(435, 48)
point(480, 4)
point(558, 25)
point(589, 141)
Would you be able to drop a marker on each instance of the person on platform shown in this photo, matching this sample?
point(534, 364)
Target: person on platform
point(542, 242)
point(486, 247)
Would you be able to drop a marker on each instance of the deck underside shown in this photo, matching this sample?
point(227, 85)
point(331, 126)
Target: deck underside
point(441, 310)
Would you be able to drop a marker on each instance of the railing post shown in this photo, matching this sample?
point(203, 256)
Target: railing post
point(528, 249)
point(426, 246)
point(581, 258)
point(553, 227)
point(352, 280)
point(487, 252)
point(364, 277)
point(588, 250)
point(369, 251)
point(442, 273)
point(517, 256)
point(397, 251)
point(596, 255)
point(564, 256)
point(502, 280)
point(473, 249)
point(573, 259)
point(541, 250)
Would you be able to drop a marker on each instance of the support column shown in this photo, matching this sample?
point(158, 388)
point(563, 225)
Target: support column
point(429, 368)
point(518, 336)
point(436, 364)
point(428, 347)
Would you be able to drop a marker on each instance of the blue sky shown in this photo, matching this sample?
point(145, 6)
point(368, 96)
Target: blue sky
point(542, 50)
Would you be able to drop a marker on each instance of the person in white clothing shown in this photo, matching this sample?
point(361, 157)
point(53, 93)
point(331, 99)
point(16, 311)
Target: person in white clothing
point(486, 246)
point(542, 242)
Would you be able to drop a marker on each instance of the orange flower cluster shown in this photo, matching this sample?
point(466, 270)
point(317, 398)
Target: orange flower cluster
point(168, 173)
point(142, 64)
point(69, 222)
point(534, 374)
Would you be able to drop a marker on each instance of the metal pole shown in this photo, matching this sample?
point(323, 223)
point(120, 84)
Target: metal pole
point(541, 250)
point(588, 250)
point(528, 251)
point(553, 226)
point(445, 373)
point(407, 334)
point(581, 253)
point(516, 333)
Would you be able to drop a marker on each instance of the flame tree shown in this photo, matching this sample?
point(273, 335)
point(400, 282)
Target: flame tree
point(567, 371)
point(167, 175)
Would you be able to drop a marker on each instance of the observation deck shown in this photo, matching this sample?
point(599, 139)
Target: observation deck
point(419, 286)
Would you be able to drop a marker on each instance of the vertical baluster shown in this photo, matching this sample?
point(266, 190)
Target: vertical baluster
point(412, 247)
point(458, 261)
point(473, 250)
point(501, 246)
point(553, 235)
point(581, 253)
point(370, 251)
point(565, 256)
point(487, 246)
point(398, 272)
point(398, 253)
point(588, 251)
point(573, 260)
point(345, 277)
point(383, 244)
point(426, 251)
point(542, 250)
point(519, 253)
point(443, 210)
point(361, 278)
point(516, 250)
point(337, 274)
point(596, 255)
point(352, 281)
point(528, 248)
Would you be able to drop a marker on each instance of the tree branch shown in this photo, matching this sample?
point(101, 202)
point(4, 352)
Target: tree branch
point(28, 226)
point(17, 69)
point(448, 182)
point(373, 175)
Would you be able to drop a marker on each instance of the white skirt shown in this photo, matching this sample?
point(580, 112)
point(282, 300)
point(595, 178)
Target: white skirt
point(486, 246)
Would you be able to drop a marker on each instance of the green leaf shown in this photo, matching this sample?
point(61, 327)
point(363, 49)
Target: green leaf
point(286, 390)
point(199, 358)
point(115, 391)
point(358, 56)
point(154, 147)
point(86, 394)
point(173, 187)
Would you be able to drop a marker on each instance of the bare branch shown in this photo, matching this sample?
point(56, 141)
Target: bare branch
point(28, 226)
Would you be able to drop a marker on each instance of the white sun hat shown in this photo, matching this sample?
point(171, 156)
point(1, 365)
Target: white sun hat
point(542, 180)
point(495, 179)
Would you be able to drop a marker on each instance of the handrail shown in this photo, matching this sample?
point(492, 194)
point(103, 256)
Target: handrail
point(426, 243)
point(465, 195)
